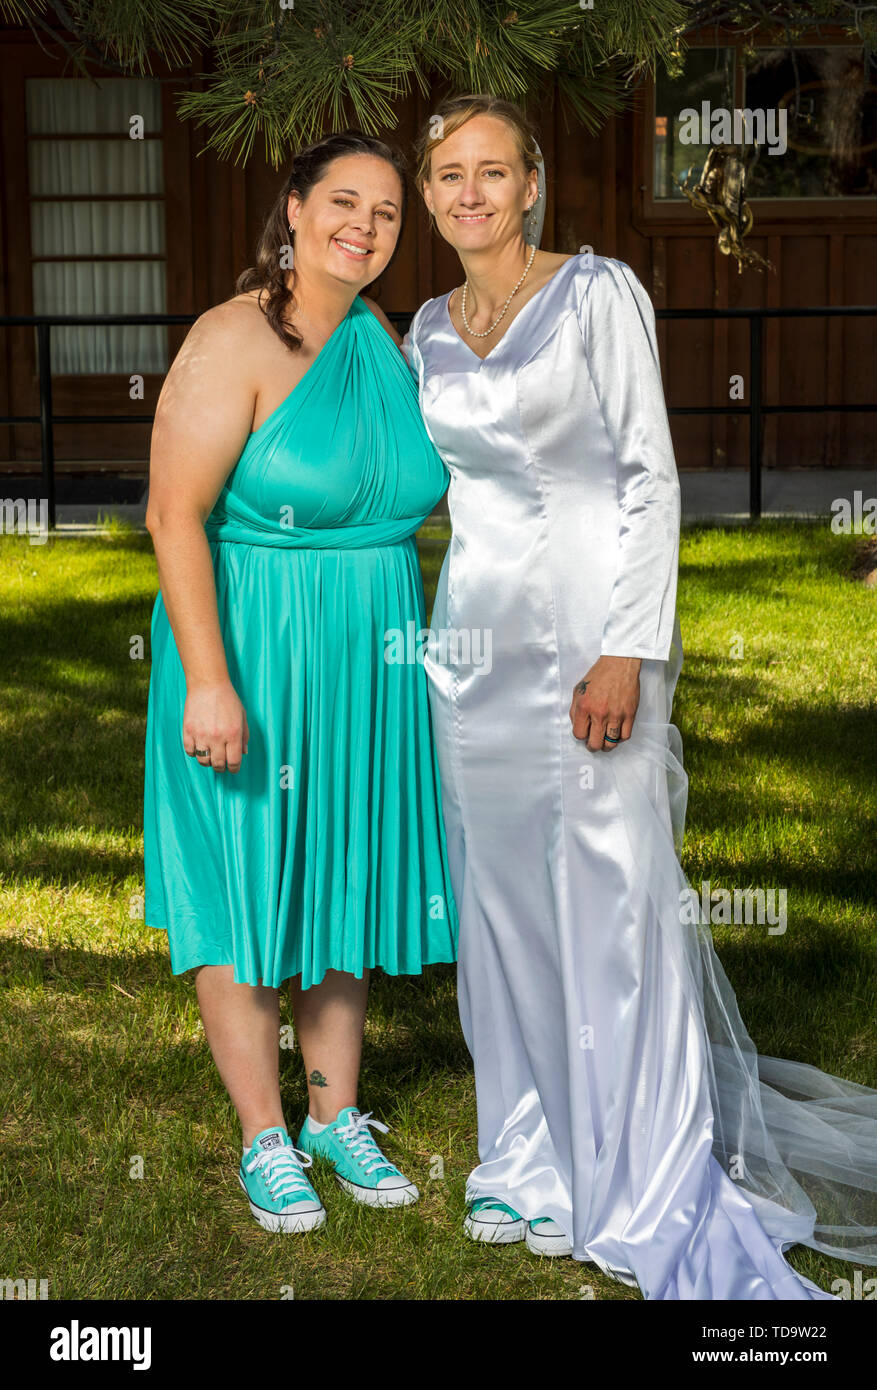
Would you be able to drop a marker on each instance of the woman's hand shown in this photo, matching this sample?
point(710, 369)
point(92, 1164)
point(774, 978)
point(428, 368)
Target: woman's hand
point(214, 720)
point(605, 701)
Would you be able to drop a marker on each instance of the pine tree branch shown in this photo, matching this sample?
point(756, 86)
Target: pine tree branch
point(286, 75)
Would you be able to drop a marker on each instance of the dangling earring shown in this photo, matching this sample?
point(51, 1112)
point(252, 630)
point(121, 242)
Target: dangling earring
point(291, 247)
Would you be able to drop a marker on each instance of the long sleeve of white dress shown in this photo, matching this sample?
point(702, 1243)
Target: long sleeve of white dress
point(618, 328)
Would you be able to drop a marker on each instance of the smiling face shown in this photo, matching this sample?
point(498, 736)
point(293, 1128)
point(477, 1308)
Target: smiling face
point(479, 189)
point(348, 224)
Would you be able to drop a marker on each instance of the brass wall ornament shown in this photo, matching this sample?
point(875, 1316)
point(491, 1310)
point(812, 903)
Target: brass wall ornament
point(721, 193)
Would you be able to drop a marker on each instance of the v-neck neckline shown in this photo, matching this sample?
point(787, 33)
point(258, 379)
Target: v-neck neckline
point(302, 379)
point(541, 290)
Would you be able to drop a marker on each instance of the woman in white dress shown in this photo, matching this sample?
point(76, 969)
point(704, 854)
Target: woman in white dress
point(624, 1117)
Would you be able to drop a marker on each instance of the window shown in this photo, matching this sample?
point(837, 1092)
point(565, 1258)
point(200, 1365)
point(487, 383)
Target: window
point(708, 76)
point(97, 218)
point(832, 136)
point(824, 149)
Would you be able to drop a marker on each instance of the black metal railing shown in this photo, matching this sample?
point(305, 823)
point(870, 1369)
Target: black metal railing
point(756, 409)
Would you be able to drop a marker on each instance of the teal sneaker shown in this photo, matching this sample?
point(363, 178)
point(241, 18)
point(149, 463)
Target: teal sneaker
point(272, 1175)
point(494, 1221)
point(360, 1167)
point(545, 1237)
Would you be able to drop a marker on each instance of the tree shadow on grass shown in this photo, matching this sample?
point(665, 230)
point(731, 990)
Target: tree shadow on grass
point(412, 1020)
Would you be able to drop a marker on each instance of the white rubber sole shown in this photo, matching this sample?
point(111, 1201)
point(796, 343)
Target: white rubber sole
point(495, 1232)
point(554, 1246)
point(288, 1223)
point(557, 1246)
point(379, 1197)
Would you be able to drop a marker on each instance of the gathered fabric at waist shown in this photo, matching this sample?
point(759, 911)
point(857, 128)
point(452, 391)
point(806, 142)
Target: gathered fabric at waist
point(356, 536)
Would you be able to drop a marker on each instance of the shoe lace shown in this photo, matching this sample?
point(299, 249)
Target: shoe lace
point(480, 1204)
point(282, 1169)
point(360, 1144)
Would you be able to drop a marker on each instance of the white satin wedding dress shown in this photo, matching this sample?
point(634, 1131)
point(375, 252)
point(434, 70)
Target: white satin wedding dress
point(618, 1091)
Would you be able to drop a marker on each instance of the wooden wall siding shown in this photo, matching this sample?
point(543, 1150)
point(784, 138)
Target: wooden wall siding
point(597, 196)
point(6, 407)
point(689, 364)
point(858, 433)
point(803, 345)
point(215, 235)
point(772, 334)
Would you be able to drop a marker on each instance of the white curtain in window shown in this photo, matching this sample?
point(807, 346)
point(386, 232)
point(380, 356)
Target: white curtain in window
point(64, 174)
point(75, 105)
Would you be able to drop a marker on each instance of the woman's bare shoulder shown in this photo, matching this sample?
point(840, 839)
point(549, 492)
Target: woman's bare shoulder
point(217, 364)
point(237, 317)
point(223, 336)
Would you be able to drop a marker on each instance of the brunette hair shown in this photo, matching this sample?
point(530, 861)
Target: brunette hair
point(308, 168)
point(453, 112)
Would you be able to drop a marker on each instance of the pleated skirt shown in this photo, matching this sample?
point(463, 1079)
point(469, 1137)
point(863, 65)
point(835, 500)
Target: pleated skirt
point(326, 851)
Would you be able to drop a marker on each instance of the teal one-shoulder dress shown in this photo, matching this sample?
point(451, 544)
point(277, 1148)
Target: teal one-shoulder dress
point(326, 851)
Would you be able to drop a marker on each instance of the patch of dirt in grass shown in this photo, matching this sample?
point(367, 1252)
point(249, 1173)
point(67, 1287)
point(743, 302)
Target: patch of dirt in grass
point(864, 566)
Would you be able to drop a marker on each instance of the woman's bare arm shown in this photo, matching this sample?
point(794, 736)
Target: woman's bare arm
point(202, 421)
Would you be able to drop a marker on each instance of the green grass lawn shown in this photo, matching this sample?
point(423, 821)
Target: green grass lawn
point(103, 1055)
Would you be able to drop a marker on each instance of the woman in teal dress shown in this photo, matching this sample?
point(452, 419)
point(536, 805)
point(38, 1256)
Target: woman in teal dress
point(292, 814)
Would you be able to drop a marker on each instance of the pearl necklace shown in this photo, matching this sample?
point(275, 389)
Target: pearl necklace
point(504, 310)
